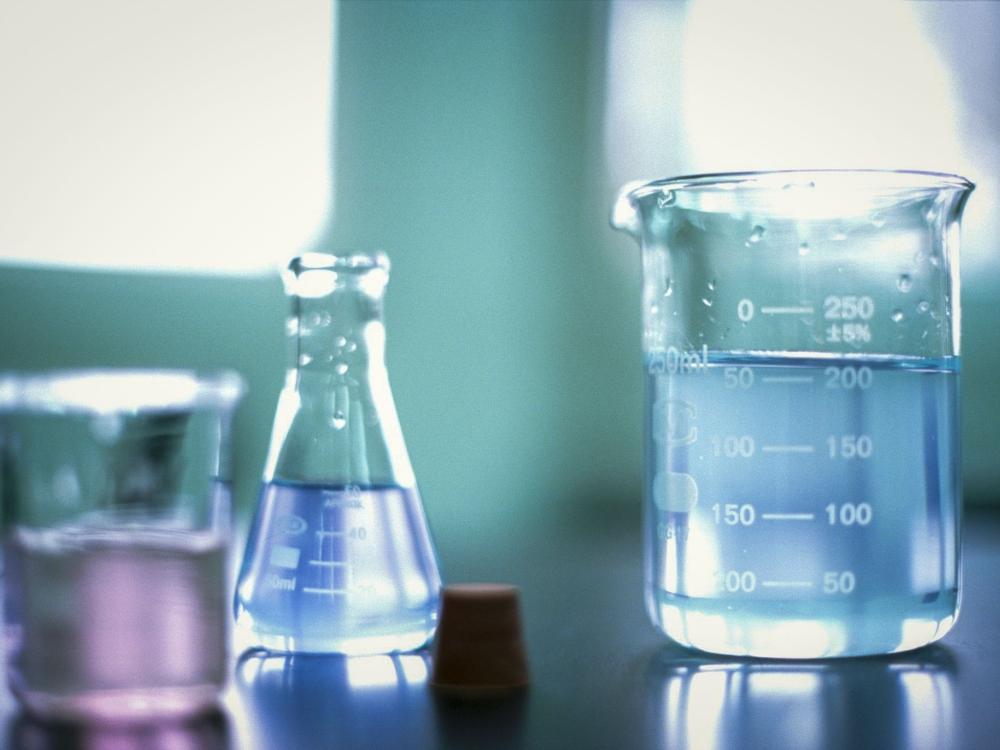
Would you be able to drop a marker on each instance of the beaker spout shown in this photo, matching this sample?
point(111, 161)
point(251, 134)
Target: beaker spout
point(625, 215)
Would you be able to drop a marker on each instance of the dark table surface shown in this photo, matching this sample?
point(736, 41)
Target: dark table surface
point(603, 678)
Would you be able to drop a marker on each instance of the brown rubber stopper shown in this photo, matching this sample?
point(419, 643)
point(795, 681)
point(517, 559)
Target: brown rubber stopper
point(479, 642)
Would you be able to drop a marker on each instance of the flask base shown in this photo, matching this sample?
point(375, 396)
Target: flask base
point(401, 642)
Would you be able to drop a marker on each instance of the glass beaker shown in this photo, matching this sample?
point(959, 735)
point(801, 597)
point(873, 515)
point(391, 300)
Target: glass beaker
point(339, 558)
point(115, 493)
point(801, 343)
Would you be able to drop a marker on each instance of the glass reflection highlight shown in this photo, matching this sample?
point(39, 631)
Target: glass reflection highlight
point(292, 700)
point(892, 702)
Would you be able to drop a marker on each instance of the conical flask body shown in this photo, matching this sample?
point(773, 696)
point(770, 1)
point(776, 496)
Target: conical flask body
point(339, 558)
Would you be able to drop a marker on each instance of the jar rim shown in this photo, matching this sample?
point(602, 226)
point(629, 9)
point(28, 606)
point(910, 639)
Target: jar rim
point(119, 390)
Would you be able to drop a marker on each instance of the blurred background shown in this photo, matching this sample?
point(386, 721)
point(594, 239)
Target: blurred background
point(159, 162)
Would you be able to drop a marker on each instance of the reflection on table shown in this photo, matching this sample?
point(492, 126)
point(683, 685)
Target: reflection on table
point(292, 701)
point(902, 701)
point(207, 732)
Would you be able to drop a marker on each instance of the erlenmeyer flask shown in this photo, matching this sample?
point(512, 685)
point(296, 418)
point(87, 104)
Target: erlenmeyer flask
point(339, 558)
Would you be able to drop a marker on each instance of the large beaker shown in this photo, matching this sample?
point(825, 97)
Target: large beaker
point(801, 342)
point(339, 558)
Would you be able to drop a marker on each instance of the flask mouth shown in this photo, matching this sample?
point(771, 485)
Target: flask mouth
point(352, 262)
point(319, 274)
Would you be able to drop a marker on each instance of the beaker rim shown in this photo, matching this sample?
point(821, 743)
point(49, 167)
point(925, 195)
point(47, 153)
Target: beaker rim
point(875, 180)
point(119, 390)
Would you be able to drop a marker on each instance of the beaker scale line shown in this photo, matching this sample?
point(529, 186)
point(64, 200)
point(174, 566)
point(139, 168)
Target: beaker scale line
point(788, 516)
point(329, 563)
point(311, 590)
point(788, 448)
point(787, 584)
point(804, 310)
point(787, 379)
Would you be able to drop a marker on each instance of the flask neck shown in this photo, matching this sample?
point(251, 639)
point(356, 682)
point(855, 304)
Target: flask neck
point(333, 336)
point(336, 422)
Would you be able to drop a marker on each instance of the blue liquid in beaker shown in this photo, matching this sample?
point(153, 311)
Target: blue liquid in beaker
point(803, 506)
point(345, 569)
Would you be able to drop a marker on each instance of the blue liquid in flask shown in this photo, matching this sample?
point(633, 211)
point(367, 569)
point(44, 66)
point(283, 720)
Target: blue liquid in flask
point(803, 507)
point(346, 569)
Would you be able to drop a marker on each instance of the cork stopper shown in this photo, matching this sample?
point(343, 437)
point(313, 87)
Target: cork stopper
point(480, 646)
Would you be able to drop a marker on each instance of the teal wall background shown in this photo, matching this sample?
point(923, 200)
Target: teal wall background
point(468, 147)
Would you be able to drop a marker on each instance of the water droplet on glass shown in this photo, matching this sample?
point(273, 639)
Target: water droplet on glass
point(804, 248)
point(654, 309)
point(315, 320)
point(338, 420)
point(706, 301)
point(666, 198)
point(923, 306)
point(919, 257)
point(351, 346)
point(904, 282)
point(711, 285)
point(756, 235)
point(339, 341)
point(668, 287)
point(931, 214)
point(935, 261)
point(897, 316)
point(304, 359)
point(878, 221)
point(341, 368)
